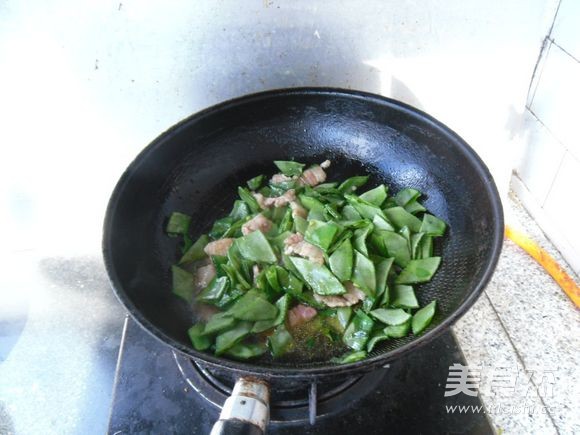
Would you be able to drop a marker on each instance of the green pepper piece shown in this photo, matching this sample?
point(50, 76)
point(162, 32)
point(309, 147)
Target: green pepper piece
point(377, 337)
point(406, 233)
point(375, 196)
point(415, 244)
point(220, 227)
point(364, 208)
point(382, 269)
point(218, 322)
point(345, 235)
point(404, 297)
point(351, 184)
point(282, 304)
point(390, 244)
point(255, 247)
point(425, 247)
point(343, 316)
point(341, 261)
point(178, 224)
point(240, 210)
point(228, 298)
point(245, 351)
point(318, 277)
point(289, 168)
point(195, 251)
point(276, 214)
point(349, 357)
point(357, 332)
point(330, 213)
point(418, 271)
point(300, 224)
point(423, 317)
point(311, 203)
point(287, 222)
point(386, 298)
point(321, 234)
point(368, 303)
point(198, 340)
point(280, 341)
point(354, 225)
point(398, 331)
point(317, 214)
point(253, 307)
point(235, 266)
point(272, 277)
point(363, 274)
point(249, 199)
point(182, 283)
point(290, 282)
point(360, 238)
point(405, 196)
point(266, 191)
point(230, 338)
point(349, 213)
point(325, 187)
point(415, 207)
point(214, 291)
point(391, 316)
point(382, 224)
point(432, 225)
point(402, 218)
point(255, 183)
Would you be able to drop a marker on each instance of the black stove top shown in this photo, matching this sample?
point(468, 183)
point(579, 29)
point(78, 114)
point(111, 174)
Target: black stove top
point(157, 391)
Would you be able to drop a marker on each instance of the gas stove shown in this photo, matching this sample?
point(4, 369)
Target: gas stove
point(159, 391)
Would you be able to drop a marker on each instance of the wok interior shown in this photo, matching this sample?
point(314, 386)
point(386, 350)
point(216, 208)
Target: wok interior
point(196, 167)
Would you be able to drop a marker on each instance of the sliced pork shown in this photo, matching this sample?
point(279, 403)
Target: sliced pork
point(257, 223)
point(300, 314)
point(218, 247)
point(295, 244)
point(204, 275)
point(352, 296)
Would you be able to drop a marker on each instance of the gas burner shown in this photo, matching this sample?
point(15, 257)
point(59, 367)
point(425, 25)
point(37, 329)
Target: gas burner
point(290, 404)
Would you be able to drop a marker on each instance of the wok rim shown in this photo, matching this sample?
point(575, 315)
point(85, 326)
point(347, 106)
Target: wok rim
point(330, 369)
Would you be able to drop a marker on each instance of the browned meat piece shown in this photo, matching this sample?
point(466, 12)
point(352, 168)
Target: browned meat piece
point(257, 223)
point(203, 312)
point(300, 314)
point(203, 276)
point(298, 210)
point(277, 201)
point(218, 247)
point(352, 296)
point(295, 244)
point(313, 176)
point(280, 178)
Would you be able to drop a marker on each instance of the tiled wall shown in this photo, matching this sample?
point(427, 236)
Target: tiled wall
point(547, 177)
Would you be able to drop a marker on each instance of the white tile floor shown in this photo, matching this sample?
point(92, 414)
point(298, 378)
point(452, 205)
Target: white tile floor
point(526, 322)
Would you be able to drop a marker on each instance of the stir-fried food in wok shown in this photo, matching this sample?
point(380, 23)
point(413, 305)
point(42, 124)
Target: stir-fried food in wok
point(308, 269)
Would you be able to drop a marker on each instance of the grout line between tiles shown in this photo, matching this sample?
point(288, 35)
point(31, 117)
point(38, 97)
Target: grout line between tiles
point(537, 71)
point(561, 159)
point(554, 179)
point(563, 49)
point(486, 413)
point(521, 360)
point(544, 50)
point(554, 19)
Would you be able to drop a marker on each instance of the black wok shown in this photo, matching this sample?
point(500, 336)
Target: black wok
point(196, 166)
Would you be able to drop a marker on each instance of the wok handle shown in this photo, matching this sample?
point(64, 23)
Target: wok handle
point(246, 411)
